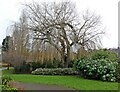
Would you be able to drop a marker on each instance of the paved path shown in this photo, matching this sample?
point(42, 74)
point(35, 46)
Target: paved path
point(3, 68)
point(30, 86)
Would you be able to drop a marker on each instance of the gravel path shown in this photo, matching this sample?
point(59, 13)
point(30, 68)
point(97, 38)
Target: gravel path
point(30, 86)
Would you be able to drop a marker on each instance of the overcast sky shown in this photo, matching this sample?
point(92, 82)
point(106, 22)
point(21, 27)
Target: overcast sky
point(107, 9)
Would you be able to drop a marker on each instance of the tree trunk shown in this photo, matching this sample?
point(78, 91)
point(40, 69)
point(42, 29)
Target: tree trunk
point(62, 59)
point(67, 58)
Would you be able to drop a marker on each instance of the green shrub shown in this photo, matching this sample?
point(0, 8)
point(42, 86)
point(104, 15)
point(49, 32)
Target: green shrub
point(5, 80)
point(27, 67)
point(23, 68)
point(100, 69)
point(35, 65)
point(46, 64)
point(52, 64)
point(55, 71)
point(4, 85)
point(7, 88)
point(103, 54)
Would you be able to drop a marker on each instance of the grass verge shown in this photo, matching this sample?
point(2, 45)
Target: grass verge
point(74, 82)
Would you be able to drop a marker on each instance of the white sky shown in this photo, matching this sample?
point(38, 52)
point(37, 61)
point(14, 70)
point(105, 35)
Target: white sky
point(107, 9)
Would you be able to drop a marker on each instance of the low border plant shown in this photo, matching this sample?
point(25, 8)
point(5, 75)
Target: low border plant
point(5, 87)
point(55, 71)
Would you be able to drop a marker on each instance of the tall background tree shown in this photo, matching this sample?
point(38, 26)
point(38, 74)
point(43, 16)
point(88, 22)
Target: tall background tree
point(5, 48)
point(5, 44)
point(49, 31)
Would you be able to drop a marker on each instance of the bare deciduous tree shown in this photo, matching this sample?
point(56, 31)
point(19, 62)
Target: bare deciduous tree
point(59, 25)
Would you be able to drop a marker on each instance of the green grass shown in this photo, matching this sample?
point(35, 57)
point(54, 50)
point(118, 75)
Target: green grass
point(74, 82)
point(10, 71)
point(67, 81)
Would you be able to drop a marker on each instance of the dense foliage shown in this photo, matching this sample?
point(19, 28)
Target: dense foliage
point(55, 71)
point(5, 80)
point(5, 87)
point(100, 69)
point(23, 68)
point(5, 43)
point(103, 54)
point(27, 67)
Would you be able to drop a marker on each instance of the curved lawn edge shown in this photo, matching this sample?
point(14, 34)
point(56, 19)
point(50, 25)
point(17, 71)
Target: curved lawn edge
point(73, 82)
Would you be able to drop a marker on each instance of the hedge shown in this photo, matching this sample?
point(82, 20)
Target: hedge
point(103, 54)
point(55, 71)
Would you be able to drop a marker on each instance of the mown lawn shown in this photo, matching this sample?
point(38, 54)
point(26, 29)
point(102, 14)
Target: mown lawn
point(10, 71)
point(68, 81)
point(74, 82)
